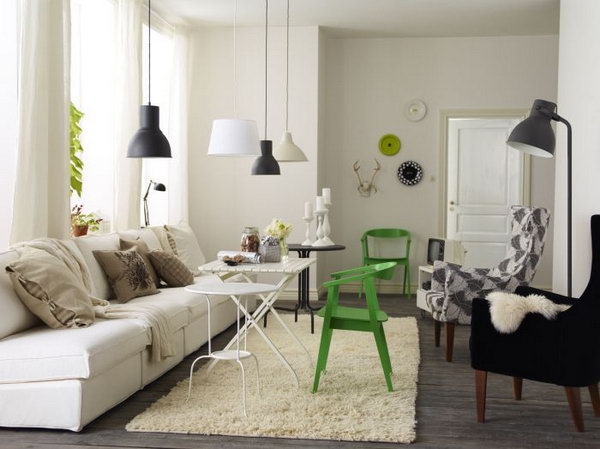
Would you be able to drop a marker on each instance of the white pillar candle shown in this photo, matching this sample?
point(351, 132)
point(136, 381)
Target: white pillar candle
point(327, 195)
point(308, 209)
point(320, 203)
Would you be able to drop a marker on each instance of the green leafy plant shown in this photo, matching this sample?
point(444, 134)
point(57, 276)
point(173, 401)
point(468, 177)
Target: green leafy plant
point(75, 150)
point(91, 220)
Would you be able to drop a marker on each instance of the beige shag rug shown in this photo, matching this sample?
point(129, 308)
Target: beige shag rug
point(352, 402)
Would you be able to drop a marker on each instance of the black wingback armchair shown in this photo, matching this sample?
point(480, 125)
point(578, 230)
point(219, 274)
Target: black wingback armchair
point(565, 351)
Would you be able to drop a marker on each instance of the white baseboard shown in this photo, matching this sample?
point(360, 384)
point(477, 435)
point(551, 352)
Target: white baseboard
point(383, 287)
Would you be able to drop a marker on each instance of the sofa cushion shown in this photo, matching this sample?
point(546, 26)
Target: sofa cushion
point(88, 244)
point(14, 316)
point(170, 269)
point(142, 248)
point(42, 354)
point(50, 290)
point(188, 249)
point(146, 234)
point(127, 272)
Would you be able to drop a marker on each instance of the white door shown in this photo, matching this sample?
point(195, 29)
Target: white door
point(484, 178)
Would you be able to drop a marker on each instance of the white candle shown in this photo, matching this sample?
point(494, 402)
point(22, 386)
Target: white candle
point(320, 203)
point(327, 195)
point(308, 209)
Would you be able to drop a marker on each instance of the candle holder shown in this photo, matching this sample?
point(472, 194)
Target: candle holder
point(326, 227)
point(308, 241)
point(320, 234)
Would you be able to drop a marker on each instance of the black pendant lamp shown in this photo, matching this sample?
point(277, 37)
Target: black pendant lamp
point(149, 141)
point(266, 164)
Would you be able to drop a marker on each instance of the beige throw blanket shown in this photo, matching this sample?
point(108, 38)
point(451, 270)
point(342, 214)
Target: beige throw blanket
point(154, 318)
point(508, 310)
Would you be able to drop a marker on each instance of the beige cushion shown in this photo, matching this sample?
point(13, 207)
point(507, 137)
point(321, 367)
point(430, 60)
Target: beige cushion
point(88, 244)
point(146, 234)
point(127, 273)
point(170, 269)
point(50, 290)
point(143, 250)
point(14, 316)
point(187, 247)
point(166, 244)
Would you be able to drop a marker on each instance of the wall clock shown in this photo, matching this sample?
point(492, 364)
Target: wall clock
point(410, 173)
point(415, 110)
point(390, 144)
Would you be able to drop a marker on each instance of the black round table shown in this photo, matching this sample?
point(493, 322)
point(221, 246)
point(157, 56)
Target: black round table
point(303, 280)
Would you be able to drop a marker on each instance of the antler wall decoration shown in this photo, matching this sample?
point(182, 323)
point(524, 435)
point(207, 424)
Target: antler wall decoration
point(365, 188)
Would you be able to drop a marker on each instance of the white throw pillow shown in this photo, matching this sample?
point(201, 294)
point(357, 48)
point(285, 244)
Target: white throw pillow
point(188, 249)
point(107, 242)
point(146, 234)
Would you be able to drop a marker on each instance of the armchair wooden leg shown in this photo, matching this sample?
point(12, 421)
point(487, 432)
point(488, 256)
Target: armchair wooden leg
point(517, 388)
point(438, 331)
point(574, 399)
point(595, 398)
point(480, 393)
point(449, 341)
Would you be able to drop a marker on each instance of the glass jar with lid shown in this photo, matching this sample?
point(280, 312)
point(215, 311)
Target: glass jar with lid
point(250, 240)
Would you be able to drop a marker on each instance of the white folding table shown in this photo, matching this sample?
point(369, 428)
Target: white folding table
point(288, 271)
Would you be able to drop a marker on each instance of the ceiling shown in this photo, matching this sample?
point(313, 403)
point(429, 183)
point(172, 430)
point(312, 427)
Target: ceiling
point(378, 18)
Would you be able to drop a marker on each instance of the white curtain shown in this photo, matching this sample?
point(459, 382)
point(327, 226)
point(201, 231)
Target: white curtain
point(178, 127)
point(127, 172)
point(41, 199)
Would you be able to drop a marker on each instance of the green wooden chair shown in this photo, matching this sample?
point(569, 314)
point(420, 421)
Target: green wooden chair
point(370, 319)
point(368, 259)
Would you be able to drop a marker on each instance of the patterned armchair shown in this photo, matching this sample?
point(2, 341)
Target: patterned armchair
point(454, 287)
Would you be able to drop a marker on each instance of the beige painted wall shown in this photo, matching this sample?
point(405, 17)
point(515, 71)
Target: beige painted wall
point(369, 81)
point(224, 197)
point(578, 98)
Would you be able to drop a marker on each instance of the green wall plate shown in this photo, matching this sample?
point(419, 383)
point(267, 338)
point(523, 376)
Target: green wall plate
point(389, 144)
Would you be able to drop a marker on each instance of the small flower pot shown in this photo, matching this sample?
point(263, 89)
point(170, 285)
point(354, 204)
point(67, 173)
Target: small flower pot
point(79, 230)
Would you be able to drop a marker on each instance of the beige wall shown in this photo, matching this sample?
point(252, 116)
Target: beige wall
point(224, 197)
point(369, 81)
point(578, 99)
point(345, 94)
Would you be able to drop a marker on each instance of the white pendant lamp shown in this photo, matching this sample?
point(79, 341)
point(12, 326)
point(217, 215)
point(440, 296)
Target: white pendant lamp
point(288, 151)
point(234, 137)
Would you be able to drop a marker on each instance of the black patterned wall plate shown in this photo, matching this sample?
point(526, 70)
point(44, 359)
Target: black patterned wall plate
point(410, 173)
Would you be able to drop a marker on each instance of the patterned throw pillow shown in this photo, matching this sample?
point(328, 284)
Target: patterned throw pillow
point(127, 274)
point(143, 250)
point(170, 269)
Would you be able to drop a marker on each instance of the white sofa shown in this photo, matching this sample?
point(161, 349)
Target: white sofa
point(65, 378)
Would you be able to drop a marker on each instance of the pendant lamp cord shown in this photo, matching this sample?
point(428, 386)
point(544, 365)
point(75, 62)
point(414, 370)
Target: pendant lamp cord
point(287, 65)
point(266, 53)
point(235, 12)
point(149, 48)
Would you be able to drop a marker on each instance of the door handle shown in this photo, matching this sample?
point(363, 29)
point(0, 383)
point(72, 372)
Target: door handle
point(452, 203)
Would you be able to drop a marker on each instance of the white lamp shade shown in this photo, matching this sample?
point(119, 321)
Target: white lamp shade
point(288, 151)
point(234, 137)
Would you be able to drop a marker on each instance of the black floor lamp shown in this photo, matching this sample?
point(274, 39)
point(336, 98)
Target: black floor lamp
point(535, 136)
point(159, 188)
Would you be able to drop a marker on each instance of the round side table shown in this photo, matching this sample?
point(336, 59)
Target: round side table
point(304, 278)
point(234, 290)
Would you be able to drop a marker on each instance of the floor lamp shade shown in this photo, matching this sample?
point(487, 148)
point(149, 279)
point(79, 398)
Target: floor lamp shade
point(149, 141)
point(288, 151)
point(265, 164)
point(535, 135)
point(234, 137)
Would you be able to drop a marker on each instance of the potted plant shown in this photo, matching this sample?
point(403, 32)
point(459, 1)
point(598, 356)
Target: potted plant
point(82, 223)
point(281, 231)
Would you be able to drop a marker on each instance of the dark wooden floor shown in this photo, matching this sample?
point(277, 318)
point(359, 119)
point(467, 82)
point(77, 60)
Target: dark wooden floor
point(445, 411)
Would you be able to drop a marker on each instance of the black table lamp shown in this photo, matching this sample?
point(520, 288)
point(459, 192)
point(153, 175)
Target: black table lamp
point(535, 136)
point(159, 188)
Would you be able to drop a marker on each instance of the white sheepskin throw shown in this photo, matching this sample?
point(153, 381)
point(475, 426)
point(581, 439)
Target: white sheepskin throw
point(508, 310)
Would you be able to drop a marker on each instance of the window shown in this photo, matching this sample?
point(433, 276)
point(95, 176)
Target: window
point(93, 88)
